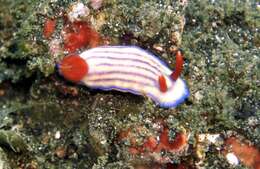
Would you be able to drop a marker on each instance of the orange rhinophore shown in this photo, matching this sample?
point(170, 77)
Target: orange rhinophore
point(49, 28)
point(178, 66)
point(162, 84)
point(79, 35)
point(73, 68)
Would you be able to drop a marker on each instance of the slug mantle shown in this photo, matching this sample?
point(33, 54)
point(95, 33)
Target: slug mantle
point(127, 69)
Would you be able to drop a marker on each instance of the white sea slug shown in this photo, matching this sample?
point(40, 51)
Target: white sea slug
point(127, 69)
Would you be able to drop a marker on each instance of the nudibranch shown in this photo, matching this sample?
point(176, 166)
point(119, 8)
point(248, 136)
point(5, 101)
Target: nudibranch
point(127, 69)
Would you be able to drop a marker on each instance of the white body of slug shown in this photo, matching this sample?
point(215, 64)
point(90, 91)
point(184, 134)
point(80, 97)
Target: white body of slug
point(132, 69)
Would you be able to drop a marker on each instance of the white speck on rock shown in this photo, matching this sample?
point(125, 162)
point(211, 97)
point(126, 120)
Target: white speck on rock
point(258, 6)
point(218, 39)
point(55, 47)
point(198, 95)
point(253, 121)
point(201, 137)
point(77, 12)
point(96, 4)
point(1, 164)
point(103, 142)
point(213, 138)
point(57, 135)
point(210, 138)
point(232, 159)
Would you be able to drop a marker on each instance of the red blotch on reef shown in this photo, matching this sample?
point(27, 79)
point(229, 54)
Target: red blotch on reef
point(178, 66)
point(49, 28)
point(73, 68)
point(247, 154)
point(78, 35)
point(179, 142)
point(257, 162)
point(124, 134)
point(153, 145)
point(150, 144)
point(162, 83)
point(135, 150)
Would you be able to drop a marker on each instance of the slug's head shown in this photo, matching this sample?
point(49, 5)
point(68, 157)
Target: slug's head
point(73, 68)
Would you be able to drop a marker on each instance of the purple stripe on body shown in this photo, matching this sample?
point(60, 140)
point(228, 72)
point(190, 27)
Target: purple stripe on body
point(128, 65)
point(125, 59)
point(121, 73)
point(136, 48)
point(119, 79)
point(130, 53)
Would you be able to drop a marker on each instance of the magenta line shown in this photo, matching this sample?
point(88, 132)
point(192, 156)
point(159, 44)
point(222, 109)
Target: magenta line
point(122, 73)
point(129, 53)
point(124, 65)
point(122, 80)
point(124, 59)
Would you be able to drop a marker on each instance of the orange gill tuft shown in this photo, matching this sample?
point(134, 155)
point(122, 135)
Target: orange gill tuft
point(73, 68)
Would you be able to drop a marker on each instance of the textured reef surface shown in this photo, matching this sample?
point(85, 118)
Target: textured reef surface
point(48, 122)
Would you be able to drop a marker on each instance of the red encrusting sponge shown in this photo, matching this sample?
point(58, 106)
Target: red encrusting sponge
point(49, 28)
point(73, 68)
point(78, 35)
point(248, 154)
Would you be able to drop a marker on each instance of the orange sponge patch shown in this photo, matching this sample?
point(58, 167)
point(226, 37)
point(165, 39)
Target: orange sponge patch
point(49, 28)
point(79, 35)
point(248, 154)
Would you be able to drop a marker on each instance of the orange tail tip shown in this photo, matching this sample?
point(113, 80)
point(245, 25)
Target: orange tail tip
point(162, 84)
point(73, 68)
point(178, 67)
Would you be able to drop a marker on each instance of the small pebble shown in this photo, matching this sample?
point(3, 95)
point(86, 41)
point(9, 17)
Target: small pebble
point(55, 47)
point(60, 152)
point(96, 4)
point(232, 159)
point(57, 135)
point(2, 92)
point(158, 47)
point(198, 95)
point(78, 11)
point(213, 138)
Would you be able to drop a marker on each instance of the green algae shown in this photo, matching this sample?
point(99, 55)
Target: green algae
point(4, 163)
point(221, 45)
point(12, 140)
